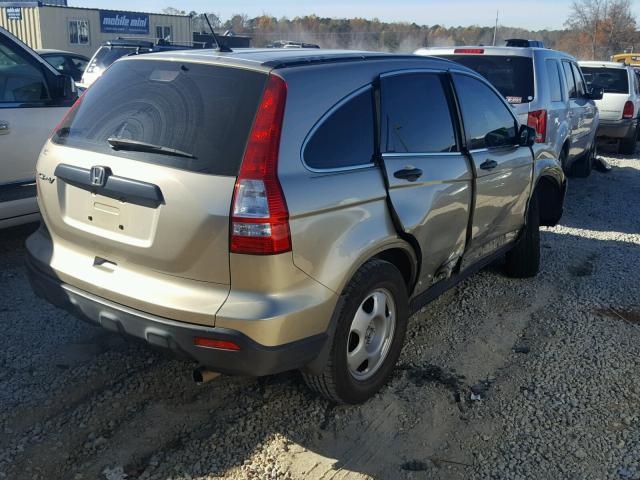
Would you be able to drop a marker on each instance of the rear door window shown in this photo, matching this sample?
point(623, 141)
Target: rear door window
point(415, 115)
point(580, 86)
point(344, 138)
point(487, 120)
point(612, 80)
point(568, 76)
point(203, 110)
point(553, 75)
point(511, 75)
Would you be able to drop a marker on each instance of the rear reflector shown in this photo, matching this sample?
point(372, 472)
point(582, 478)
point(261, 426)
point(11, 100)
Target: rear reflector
point(628, 110)
point(259, 214)
point(538, 120)
point(474, 51)
point(212, 343)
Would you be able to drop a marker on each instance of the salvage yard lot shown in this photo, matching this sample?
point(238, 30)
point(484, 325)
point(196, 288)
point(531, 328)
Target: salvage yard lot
point(553, 364)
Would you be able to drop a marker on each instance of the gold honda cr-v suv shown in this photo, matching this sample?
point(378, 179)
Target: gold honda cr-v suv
point(264, 210)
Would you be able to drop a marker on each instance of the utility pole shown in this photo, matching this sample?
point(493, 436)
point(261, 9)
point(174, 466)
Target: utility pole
point(495, 30)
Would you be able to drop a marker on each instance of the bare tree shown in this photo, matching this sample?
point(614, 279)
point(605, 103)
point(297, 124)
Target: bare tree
point(584, 19)
point(607, 26)
point(173, 11)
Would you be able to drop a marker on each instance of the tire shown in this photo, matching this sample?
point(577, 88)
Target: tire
point(562, 159)
point(582, 168)
point(523, 260)
point(342, 381)
point(627, 145)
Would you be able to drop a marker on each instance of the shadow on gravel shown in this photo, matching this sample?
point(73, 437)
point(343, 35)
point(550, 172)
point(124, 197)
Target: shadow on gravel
point(12, 243)
point(586, 193)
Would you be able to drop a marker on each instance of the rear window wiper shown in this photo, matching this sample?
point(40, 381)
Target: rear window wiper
point(136, 146)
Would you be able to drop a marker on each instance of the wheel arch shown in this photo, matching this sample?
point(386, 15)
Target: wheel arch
point(399, 253)
point(550, 194)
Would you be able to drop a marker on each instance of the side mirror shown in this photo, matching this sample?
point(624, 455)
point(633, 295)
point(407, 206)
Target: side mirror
point(526, 136)
point(64, 88)
point(595, 93)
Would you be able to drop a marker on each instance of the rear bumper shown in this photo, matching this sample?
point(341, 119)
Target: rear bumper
point(252, 359)
point(617, 128)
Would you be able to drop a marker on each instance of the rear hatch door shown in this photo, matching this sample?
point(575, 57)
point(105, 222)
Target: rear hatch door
point(615, 82)
point(145, 167)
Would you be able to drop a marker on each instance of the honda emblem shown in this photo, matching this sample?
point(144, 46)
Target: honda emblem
point(98, 176)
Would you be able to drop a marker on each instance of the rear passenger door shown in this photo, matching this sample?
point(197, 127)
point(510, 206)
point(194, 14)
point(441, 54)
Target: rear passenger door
point(429, 178)
point(503, 170)
point(588, 106)
point(557, 111)
point(576, 112)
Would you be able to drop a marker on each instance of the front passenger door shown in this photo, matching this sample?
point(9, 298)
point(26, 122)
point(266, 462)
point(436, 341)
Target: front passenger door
point(429, 178)
point(503, 170)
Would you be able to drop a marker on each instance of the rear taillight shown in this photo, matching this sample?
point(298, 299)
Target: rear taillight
point(628, 110)
point(259, 215)
point(72, 109)
point(538, 120)
point(473, 51)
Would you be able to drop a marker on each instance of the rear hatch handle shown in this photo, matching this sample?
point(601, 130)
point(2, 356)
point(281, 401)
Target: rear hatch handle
point(101, 181)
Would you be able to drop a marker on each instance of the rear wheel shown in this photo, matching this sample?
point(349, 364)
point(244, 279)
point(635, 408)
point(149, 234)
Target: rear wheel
point(523, 260)
point(627, 145)
point(369, 335)
point(582, 168)
point(562, 159)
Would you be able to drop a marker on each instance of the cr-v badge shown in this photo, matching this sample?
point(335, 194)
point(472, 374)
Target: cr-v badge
point(46, 178)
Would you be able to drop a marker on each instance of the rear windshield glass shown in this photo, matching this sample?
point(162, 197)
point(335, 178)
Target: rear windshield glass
point(105, 56)
point(205, 112)
point(613, 80)
point(512, 76)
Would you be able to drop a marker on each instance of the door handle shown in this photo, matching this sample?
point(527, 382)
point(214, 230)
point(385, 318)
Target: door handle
point(4, 127)
point(488, 165)
point(408, 173)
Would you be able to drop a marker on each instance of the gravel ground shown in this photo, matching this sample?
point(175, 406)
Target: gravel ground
point(499, 378)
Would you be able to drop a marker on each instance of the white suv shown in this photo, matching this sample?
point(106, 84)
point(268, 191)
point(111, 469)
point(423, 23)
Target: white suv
point(620, 104)
point(33, 98)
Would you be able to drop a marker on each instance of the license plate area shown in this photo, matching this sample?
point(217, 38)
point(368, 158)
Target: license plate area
point(108, 217)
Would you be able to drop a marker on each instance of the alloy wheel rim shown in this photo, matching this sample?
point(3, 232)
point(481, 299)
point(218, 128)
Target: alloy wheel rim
point(371, 334)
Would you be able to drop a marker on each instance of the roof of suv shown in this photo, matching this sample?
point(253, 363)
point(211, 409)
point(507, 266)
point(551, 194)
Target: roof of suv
point(603, 64)
point(490, 50)
point(269, 58)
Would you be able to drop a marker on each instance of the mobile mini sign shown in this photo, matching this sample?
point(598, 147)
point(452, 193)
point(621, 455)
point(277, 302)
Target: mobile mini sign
point(124, 22)
point(14, 13)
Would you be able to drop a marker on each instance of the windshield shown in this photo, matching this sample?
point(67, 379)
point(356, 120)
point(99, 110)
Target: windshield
point(613, 80)
point(189, 116)
point(105, 56)
point(512, 76)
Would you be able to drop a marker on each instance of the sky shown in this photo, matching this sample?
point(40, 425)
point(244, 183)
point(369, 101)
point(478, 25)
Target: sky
point(533, 15)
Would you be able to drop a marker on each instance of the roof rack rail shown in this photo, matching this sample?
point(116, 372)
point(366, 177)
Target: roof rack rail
point(337, 58)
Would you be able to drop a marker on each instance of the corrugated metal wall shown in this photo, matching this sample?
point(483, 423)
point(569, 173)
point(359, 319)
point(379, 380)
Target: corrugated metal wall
point(27, 29)
point(48, 27)
point(54, 23)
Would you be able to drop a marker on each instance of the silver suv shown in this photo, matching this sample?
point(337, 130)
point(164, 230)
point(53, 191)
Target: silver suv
point(269, 210)
point(547, 91)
